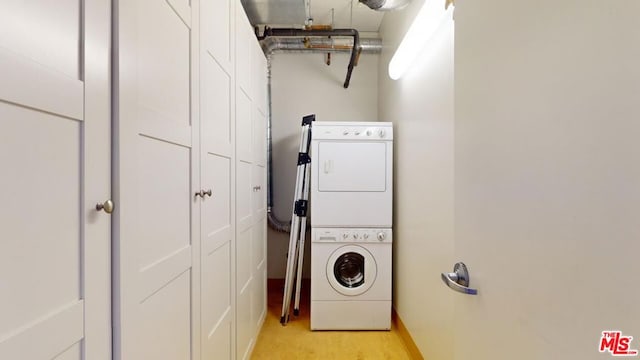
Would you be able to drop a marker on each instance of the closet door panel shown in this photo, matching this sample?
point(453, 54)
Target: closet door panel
point(259, 300)
point(163, 66)
point(258, 195)
point(258, 248)
point(166, 317)
point(244, 133)
point(244, 208)
point(216, 303)
point(244, 51)
point(217, 31)
point(215, 107)
point(163, 228)
point(259, 137)
point(245, 328)
point(157, 171)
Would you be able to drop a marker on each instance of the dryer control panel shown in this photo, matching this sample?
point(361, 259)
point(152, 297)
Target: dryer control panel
point(370, 131)
point(351, 235)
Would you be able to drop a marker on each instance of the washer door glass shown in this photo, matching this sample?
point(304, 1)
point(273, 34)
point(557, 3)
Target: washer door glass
point(351, 270)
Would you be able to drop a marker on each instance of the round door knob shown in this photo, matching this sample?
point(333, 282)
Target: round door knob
point(381, 236)
point(107, 206)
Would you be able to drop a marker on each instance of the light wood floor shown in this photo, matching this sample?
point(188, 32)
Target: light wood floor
point(296, 341)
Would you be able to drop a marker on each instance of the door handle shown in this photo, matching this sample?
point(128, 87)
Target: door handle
point(327, 166)
point(107, 206)
point(202, 193)
point(458, 280)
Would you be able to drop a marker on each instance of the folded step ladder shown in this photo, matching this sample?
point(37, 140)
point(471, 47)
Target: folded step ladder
point(298, 223)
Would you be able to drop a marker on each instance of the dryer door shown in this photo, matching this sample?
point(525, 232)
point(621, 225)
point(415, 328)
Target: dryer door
point(352, 166)
point(351, 270)
point(352, 183)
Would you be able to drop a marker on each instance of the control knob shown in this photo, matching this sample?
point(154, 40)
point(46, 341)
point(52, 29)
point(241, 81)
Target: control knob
point(381, 133)
point(355, 236)
point(381, 236)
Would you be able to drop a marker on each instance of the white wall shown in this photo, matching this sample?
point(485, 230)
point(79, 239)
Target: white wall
point(303, 84)
point(421, 106)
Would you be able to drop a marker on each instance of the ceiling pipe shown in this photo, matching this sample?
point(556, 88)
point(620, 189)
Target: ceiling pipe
point(385, 5)
point(275, 45)
point(268, 32)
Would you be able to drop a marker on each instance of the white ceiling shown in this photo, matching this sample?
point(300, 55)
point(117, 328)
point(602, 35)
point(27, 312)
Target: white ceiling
point(291, 13)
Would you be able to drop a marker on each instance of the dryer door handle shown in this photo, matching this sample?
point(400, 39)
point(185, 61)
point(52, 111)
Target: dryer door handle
point(328, 164)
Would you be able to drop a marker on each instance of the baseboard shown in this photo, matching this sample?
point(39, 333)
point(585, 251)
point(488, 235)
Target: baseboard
point(405, 336)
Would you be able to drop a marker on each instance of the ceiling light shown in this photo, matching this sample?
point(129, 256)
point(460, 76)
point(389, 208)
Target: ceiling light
point(429, 19)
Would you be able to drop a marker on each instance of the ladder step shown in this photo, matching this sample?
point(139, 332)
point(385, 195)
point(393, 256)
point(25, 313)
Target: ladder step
point(301, 208)
point(304, 158)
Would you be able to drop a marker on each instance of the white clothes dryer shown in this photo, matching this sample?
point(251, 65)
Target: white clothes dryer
point(351, 279)
point(352, 174)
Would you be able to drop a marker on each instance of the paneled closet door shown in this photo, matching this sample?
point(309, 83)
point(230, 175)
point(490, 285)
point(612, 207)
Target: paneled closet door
point(251, 186)
point(217, 174)
point(158, 172)
point(259, 227)
point(244, 220)
point(245, 187)
point(259, 238)
point(55, 160)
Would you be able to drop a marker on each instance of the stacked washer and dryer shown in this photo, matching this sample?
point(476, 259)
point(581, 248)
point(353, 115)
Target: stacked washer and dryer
point(351, 219)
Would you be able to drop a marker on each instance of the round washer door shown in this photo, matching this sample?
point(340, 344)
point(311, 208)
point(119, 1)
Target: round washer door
point(351, 270)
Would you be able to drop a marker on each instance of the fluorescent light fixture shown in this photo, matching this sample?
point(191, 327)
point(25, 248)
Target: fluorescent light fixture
point(429, 19)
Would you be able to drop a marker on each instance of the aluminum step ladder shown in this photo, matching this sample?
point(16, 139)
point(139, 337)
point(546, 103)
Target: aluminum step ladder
point(295, 256)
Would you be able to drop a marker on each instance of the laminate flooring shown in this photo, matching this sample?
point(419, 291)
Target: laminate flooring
point(296, 340)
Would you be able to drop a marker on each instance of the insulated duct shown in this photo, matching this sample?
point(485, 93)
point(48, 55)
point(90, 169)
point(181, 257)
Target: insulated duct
point(355, 50)
point(274, 45)
point(385, 5)
point(277, 45)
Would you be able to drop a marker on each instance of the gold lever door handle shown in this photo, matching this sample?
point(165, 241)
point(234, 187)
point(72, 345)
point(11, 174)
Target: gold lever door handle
point(107, 206)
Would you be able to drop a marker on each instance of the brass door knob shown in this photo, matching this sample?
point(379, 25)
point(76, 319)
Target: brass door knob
point(107, 206)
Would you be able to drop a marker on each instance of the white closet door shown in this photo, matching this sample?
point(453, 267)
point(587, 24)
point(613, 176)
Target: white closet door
point(157, 168)
point(217, 174)
point(54, 155)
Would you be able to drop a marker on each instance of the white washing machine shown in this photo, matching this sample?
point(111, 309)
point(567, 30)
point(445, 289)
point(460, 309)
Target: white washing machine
point(350, 279)
point(352, 174)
